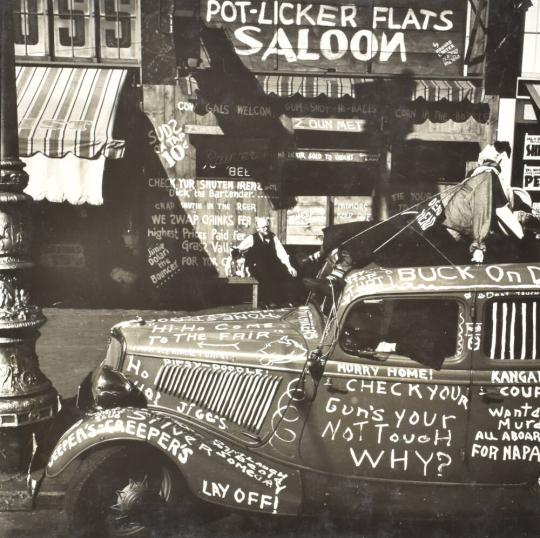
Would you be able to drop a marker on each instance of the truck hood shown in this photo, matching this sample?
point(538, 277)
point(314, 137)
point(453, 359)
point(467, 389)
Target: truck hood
point(256, 337)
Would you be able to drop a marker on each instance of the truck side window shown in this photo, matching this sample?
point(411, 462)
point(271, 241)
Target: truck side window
point(424, 330)
point(512, 329)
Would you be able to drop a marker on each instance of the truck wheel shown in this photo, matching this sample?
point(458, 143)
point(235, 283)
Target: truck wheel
point(121, 491)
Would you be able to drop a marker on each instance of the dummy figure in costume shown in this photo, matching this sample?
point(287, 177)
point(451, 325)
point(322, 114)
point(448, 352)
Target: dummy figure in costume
point(485, 202)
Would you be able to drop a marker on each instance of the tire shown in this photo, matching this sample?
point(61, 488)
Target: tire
point(122, 491)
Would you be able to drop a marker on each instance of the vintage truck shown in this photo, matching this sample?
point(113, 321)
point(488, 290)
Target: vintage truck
point(413, 389)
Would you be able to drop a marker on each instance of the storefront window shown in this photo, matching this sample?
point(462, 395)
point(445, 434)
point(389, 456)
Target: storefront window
point(329, 178)
point(531, 40)
point(68, 258)
point(31, 36)
point(102, 30)
point(420, 169)
point(119, 22)
point(73, 26)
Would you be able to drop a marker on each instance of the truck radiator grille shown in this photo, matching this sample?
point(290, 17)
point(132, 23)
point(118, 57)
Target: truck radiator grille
point(242, 398)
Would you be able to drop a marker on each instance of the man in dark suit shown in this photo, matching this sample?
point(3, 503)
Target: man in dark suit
point(268, 262)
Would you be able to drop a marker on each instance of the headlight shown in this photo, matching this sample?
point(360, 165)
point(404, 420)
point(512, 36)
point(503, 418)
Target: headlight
point(111, 388)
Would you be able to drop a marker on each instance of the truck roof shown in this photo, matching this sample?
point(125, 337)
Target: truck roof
point(360, 282)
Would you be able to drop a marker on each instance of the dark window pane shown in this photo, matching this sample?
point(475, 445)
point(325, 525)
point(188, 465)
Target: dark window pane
point(425, 330)
point(26, 18)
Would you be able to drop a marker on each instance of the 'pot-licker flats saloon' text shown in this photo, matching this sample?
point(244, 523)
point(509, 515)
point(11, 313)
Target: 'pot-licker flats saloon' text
point(309, 33)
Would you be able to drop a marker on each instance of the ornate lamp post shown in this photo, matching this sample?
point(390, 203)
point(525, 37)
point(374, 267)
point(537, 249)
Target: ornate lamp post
point(26, 396)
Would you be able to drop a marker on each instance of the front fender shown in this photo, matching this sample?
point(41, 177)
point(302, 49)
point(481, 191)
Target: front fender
point(215, 471)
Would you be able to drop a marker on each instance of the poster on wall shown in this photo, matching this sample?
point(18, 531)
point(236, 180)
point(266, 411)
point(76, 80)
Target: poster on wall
point(306, 220)
point(531, 177)
point(352, 208)
point(63, 255)
point(531, 148)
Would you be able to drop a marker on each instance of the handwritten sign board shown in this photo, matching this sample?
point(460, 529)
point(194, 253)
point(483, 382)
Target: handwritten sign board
point(306, 220)
point(236, 108)
point(223, 159)
point(224, 171)
point(352, 208)
point(402, 200)
point(343, 125)
point(319, 155)
point(63, 255)
point(356, 37)
point(198, 221)
point(302, 106)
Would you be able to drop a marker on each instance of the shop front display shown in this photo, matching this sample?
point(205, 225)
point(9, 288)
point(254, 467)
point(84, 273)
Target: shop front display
point(72, 126)
point(306, 113)
point(78, 117)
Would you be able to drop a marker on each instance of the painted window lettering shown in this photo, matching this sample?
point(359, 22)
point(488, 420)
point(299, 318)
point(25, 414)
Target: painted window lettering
point(170, 142)
point(512, 329)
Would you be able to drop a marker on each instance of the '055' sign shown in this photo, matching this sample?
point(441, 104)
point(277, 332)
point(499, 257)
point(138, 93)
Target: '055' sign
point(69, 30)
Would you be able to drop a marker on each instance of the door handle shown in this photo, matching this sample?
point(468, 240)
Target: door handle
point(492, 394)
point(332, 389)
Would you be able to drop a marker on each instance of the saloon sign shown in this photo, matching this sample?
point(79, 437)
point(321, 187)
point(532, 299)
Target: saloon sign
point(377, 36)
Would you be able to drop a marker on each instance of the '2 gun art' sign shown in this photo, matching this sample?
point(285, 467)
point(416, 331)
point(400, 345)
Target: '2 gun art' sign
point(378, 36)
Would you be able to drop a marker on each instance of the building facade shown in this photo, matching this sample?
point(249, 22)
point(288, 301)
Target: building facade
point(310, 113)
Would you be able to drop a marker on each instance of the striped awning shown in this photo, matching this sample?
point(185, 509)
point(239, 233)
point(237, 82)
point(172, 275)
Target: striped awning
point(65, 110)
point(336, 87)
